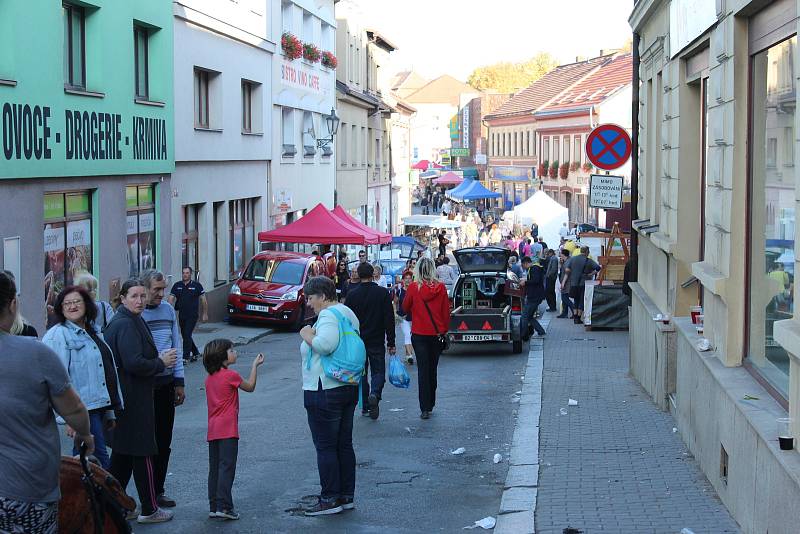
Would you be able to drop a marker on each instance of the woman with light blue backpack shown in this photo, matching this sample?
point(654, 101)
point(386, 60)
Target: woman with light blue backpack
point(332, 363)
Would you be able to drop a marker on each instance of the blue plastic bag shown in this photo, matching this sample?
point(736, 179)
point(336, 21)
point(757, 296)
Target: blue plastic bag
point(397, 373)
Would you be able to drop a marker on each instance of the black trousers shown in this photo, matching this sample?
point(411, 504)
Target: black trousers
point(427, 350)
point(164, 406)
point(187, 325)
point(550, 293)
point(123, 465)
point(375, 369)
point(222, 456)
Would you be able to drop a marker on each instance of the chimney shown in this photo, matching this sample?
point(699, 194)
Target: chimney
point(579, 59)
point(608, 51)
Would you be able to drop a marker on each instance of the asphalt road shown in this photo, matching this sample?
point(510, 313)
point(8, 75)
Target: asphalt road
point(407, 480)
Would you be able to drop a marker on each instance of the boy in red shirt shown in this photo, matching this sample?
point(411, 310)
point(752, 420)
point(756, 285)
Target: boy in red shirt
point(222, 396)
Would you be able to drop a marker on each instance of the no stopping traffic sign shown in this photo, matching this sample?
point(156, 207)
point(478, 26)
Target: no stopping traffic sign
point(608, 147)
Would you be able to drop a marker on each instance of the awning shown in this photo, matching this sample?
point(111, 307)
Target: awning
point(470, 172)
point(319, 226)
point(448, 178)
point(429, 174)
point(432, 221)
point(421, 165)
point(382, 237)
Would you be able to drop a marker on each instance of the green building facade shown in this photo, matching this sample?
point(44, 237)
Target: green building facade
point(86, 143)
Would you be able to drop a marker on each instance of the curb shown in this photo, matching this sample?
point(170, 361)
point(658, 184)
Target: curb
point(246, 341)
point(517, 507)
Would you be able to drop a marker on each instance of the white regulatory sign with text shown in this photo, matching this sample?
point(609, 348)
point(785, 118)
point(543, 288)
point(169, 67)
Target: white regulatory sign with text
point(605, 191)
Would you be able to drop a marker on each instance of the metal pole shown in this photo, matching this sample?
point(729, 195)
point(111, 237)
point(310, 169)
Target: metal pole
point(634, 271)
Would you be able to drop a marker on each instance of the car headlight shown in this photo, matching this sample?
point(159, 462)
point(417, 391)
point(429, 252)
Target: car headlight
point(291, 295)
point(235, 290)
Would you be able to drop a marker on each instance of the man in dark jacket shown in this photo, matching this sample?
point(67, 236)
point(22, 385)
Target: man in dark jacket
point(372, 304)
point(550, 279)
point(534, 295)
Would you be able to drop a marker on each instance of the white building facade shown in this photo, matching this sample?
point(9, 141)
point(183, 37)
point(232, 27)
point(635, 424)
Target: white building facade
point(223, 58)
point(303, 174)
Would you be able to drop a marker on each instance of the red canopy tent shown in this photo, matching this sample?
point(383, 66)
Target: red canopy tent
point(448, 178)
point(383, 237)
point(320, 226)
point(421, 165)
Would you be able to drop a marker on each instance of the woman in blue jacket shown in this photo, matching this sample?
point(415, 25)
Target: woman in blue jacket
point(88, 360)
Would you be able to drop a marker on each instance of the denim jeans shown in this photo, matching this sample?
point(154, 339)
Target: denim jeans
point(222, 455)
point(566, 303)
point(528, 319)
point(330, 418)
point(375, 369)
point(96, 428)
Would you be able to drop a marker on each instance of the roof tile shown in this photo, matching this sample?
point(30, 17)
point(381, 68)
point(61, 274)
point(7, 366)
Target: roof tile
point(597, 86)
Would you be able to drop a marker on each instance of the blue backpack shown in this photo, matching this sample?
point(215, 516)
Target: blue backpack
point(346, 363)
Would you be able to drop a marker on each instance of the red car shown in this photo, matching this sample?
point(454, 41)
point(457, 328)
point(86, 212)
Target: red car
point(270, 289)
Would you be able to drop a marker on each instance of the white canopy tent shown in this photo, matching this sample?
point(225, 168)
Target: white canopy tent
point(544, 211)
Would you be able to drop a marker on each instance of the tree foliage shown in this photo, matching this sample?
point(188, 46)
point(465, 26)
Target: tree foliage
point(506, 77)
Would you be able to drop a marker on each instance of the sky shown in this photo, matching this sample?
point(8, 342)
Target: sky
point(453, 37)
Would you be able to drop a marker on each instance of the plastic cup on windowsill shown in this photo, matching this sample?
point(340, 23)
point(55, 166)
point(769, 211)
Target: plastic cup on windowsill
point(785, 438)
point(695, 312)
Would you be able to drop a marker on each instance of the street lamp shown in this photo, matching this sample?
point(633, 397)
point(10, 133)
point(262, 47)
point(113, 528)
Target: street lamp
point(332, 122)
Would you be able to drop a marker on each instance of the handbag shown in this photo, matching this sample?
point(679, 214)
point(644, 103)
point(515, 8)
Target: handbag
point(442, 340)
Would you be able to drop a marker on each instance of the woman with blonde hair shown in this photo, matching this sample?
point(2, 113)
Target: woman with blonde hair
point(105, 312)
point(21, 327)
point(426, 299)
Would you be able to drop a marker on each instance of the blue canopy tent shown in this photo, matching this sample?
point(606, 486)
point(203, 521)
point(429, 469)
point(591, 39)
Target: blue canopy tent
point(473, 191)
point(460, 187)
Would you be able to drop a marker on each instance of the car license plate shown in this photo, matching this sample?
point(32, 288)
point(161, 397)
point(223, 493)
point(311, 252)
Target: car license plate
point(257, 308)
point(477, 337)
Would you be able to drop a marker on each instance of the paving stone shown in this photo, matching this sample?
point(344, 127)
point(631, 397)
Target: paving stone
point(515, 523)
point(518, 500)
point(522, 475)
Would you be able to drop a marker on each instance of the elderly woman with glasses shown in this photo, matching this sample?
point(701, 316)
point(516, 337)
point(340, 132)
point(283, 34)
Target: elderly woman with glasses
point(89, 361)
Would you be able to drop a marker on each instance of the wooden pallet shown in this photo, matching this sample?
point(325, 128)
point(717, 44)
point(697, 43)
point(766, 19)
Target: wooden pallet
point(613, 265)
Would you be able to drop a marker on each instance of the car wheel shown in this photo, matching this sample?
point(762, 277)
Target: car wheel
point(300, 322)
point(516, 346)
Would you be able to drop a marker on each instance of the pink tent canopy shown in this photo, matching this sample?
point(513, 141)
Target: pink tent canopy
point(343, 215)
point(320, 226)
point(421, 165)
point(448, 178)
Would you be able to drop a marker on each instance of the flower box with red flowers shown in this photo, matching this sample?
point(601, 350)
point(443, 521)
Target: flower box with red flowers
point(291, 46)
point(563, 170)
point(587, 167)
point(311, 52)
point(329, 60)
point(554, 170)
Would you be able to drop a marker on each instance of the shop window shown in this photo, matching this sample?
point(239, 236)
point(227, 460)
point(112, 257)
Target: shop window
point(241, 223)
point(190, 255)
point(67, 241)
point(772, 211)
point(141, 67)
point(141, 224)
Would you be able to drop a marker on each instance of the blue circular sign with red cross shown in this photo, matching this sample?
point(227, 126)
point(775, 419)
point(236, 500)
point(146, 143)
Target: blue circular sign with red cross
point(608, 147)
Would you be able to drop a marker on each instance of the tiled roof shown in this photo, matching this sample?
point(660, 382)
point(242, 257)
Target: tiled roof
point(596, 87)
point(547, 87)
point(407, 82)
point(443, 90)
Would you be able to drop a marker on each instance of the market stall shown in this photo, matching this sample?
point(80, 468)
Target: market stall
point(321, 226)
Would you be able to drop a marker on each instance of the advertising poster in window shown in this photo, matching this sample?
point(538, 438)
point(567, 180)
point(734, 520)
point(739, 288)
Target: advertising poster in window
point(147, 241)
point(53, 264)
point(133, 245)
point(79, 249)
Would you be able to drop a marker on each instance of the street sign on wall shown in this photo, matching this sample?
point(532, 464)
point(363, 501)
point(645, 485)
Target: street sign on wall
point(459, 152)
point(605, 191)
point(608, 147)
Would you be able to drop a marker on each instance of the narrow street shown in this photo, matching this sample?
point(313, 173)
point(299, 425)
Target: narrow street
point(407, 479)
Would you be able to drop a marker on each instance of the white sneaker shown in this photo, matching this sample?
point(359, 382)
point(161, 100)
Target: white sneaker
point(159, 516)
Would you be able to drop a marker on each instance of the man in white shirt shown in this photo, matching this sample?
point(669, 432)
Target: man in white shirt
point(563, 231)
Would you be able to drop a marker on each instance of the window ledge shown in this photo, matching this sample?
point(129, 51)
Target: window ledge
point(8, 83)
point(787, 333)
point(711, 278)
point(213, 130)
point(663, 241)
point(255, 134)
point(146, 102)
point(83, 92)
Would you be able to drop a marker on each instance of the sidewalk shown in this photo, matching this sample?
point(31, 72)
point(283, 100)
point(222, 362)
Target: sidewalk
point(612, 463)
point(239, 334)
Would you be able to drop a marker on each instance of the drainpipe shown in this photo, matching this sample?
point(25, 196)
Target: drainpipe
point(634, 271)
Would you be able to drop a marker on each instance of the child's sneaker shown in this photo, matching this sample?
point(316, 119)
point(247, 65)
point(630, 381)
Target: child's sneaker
point(159, 516)
point(228, 514)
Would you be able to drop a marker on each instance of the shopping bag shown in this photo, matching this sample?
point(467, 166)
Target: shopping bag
point(397, 373)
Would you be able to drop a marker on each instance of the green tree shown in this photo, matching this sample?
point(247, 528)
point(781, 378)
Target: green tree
point(506, 77)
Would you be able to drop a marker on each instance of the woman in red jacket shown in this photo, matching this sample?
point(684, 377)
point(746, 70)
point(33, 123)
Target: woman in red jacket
point(429, 305)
